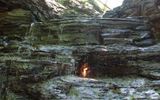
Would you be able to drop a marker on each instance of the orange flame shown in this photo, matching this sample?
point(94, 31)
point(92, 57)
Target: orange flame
point(85, 70)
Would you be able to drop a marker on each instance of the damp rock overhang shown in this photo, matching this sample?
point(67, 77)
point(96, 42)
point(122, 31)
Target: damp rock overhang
point(117, 60)
point(101, 69)
point(101, 62)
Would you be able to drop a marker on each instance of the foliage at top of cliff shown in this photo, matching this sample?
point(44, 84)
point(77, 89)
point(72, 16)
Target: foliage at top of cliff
point(50, 9)
point(83, 7)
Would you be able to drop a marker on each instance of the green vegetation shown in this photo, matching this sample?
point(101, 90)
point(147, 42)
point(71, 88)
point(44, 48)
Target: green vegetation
point(73, 92)
point(82, 7)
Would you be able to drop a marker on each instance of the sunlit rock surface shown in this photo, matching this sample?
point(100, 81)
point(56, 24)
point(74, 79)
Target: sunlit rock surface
point(49, 9)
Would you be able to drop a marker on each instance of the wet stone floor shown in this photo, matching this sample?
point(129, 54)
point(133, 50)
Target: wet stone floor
point(77, 88)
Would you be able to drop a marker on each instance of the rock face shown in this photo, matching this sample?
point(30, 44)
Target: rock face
point(17, 15)
point(50, 9)
point(44, 60)
point(130, 8)
point(73, 88)
point(93, 31)
point(37, 66)
point(14, 24)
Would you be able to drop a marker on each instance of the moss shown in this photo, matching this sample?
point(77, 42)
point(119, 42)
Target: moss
point(132, 98)
point(2, 78)
point(18, 16)
point(65, 33)
point(1, 47)
point(19, 12)
point(73, 92)
point(158, 91)
point(12, 96)
point(43, 34)
point(62, 58)
point(61, 1)
point(23, 65)
point(157, 36)
point(42, 57)
point(72, 23)
point(7, 57)
point(117, 91)
point(77, 38)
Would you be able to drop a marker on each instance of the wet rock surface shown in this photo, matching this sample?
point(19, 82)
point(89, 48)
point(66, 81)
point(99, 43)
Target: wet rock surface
point(42, 78)
point(73, 87)
point(103, 31)
point(46, 64)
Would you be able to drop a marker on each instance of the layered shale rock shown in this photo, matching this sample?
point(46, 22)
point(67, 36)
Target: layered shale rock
point(73, 87)
point(37, 78)
point(62, 46)
point(117, 60)
point(47, 60)
point(15, 23)
point(103, 31)
point(17, 15)
point(129, 8)
point(33, 66)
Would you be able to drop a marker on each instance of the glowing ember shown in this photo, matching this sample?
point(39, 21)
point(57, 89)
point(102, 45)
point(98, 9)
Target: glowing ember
point(85, 70)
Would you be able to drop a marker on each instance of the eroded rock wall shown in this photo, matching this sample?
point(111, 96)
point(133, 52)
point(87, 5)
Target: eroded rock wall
point(16, 16)
point(50, 9)
point(147, 8)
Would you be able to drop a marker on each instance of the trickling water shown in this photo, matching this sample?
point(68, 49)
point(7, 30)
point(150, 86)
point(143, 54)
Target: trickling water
point(31, 28)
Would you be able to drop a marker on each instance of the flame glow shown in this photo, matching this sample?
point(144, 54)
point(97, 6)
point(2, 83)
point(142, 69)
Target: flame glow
point(85, 70)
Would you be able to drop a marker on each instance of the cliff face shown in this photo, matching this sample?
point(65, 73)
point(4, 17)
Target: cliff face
point(45, 64)
point(17, 15)
point(147, 8)
point(45, 50)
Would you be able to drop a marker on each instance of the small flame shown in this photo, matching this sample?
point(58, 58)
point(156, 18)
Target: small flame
point(85, 70)
point(84, 73)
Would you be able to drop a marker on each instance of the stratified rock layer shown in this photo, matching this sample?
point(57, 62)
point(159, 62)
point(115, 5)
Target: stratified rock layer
point(103, 31)
point(147, 8)
point(36, 67)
